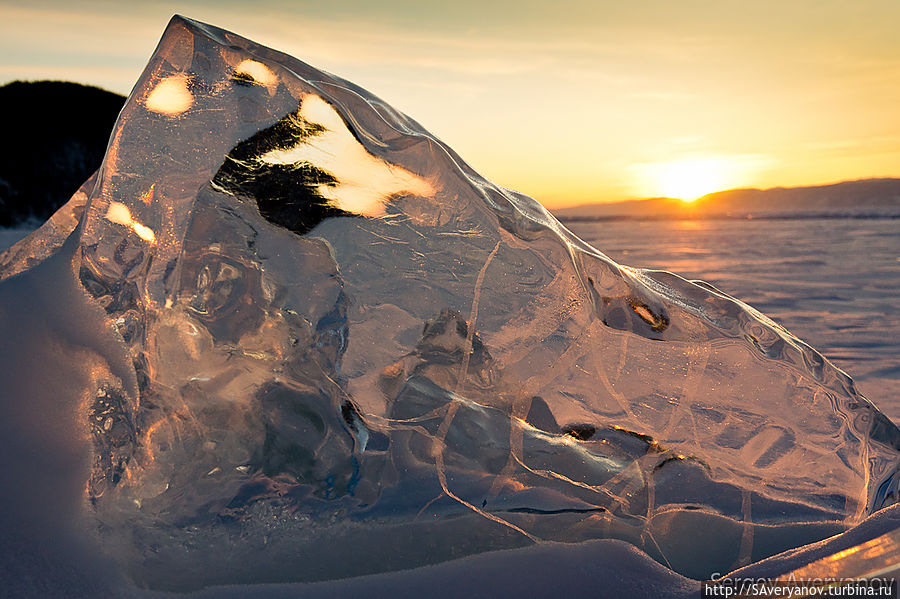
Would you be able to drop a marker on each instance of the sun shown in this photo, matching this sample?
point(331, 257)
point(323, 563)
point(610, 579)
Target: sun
point(689, 179)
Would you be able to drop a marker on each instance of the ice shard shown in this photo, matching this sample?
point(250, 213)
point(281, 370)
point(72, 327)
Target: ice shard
point(326, 347)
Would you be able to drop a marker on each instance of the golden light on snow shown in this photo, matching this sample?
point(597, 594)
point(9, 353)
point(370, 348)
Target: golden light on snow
point(365, 182)
point(170, 96)
point(688, 179)
point(256, 71)
point(120, 214)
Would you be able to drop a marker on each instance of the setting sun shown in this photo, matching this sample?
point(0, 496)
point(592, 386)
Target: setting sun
point(689, 179)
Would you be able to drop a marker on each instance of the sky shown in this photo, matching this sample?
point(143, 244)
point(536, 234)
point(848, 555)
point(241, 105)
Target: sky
point(570, 102)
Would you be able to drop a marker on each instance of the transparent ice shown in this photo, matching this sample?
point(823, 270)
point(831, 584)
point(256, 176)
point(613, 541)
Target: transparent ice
point(338, 350)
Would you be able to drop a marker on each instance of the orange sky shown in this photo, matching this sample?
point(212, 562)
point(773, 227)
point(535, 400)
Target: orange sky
point(570, 102)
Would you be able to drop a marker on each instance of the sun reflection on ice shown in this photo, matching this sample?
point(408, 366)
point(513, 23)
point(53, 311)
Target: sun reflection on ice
point(170, 96)
point(120, 214)
point(256, 72)
point(364, 182)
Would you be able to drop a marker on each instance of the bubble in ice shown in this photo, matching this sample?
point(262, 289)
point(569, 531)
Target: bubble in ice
point(324, 346)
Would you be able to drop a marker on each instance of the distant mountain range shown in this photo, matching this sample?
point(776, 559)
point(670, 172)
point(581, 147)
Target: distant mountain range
point(865, 198)
point(54, 137)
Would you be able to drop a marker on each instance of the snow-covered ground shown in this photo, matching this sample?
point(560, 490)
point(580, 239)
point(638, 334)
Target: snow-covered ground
point(11, 236)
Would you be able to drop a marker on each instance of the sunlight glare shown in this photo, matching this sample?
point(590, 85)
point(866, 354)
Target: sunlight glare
point(170, 96)
point(690, 179)
point(365, 182)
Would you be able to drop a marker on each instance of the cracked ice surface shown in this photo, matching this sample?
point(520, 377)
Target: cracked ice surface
point(318, 333)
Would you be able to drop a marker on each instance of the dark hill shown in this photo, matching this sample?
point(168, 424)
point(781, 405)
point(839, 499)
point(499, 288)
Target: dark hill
point(55, 136)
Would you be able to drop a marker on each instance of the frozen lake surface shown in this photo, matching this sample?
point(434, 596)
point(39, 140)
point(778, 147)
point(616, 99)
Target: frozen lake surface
point(834, 283)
